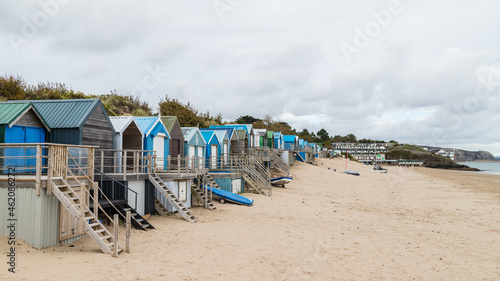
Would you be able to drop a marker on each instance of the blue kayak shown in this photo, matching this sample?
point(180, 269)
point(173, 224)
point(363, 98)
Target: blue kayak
point(354, 173)
point(230, 197)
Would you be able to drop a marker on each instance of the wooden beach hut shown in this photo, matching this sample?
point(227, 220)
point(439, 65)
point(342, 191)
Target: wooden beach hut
point(260, 137)
point(194, 146)
point(270, 139)
point(20, 123)
point(128, 135)
point(156, 138)
point(224, 142)
point(290, 142)
point(242, 144)
point(176, 145)
point(212, 148)
point(278, 140)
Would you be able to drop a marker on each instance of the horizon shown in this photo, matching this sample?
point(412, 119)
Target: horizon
point(371, 68)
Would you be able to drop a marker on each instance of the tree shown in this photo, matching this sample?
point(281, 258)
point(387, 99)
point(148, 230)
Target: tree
point(247, 119)
point(351, 138)
point(12, 88)
point(323, 134)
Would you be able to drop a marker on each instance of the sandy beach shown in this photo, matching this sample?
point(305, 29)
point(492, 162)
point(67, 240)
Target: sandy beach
point(407, 224)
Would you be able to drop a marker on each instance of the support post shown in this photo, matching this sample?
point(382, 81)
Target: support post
point(96, 199)
point(178, 163)
point(127, 244)
point(102, 161)
point(115, 235)
point(124, 165)
point(38, 169)
point(50, 163)
point(82, 205)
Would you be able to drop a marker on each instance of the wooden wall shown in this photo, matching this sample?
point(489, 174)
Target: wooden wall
point(98, 131)
point(30, 119)
point(176, 141)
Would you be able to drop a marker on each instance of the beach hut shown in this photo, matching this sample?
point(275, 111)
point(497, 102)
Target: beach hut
point(242, 141)
point(289, 142)
point(260, 137)
point(21, 123)
point(128, 136)
point(194, 146)
point(278, 140)
point(212, 148)
point(270, 139)
point(176, 136)
point(156, 138)
point(224, 142)
point(247, 127)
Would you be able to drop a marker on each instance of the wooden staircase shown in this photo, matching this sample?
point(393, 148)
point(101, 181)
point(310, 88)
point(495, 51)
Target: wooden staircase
point(257, 176)
point(280, 164)
point(137, 220)
point(199, 191)
point(160, 209)
point(162, 187)
point(79, 210)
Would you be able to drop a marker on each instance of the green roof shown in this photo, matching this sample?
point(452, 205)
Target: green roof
point(66, 113)
point(12, 111)
point(169, 122)
point(270, 134)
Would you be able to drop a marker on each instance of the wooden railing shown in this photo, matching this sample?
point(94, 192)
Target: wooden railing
point(124, 161)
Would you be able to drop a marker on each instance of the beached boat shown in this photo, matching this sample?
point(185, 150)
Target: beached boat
point(354, 173)
point(380, 169)
point(226, 196)
point(281, 181)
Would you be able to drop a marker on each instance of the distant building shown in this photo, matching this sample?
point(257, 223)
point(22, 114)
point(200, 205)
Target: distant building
point(362, 151)
point(448, 154)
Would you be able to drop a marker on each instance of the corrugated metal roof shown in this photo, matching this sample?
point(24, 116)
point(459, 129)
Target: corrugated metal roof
point(242, 134)
point(146, 123)
point(121, 123)
point(229, 131)
point(169, 122)
point(208, 135)
point(190, 133)
point(247, 127)
point(289, 138)
point(221, 135)
point(11, 111)
point(65, 113)
point(270, 134)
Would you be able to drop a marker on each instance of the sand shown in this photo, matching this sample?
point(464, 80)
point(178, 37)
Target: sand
point(408, 224)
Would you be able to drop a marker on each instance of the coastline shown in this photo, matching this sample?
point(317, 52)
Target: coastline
point(410, 223)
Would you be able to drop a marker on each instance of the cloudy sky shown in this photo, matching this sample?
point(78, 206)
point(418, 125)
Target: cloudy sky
point(424, 72)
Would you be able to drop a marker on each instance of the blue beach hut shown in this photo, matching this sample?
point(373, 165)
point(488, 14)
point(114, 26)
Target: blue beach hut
point(156, 138)
point(194, 146)
point(212, 148)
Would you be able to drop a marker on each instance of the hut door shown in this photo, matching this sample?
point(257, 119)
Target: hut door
point(213, 156)
point(225, 153)
point(159, 147)
point(191, 155)
point(200, 157)
point(236, 186)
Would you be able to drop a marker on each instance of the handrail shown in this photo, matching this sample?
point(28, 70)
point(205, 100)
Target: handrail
point(119, 183)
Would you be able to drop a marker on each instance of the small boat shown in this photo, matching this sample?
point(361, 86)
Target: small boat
point(226, 196)
point(281, 181)
point(354, 173)
point(380, 169)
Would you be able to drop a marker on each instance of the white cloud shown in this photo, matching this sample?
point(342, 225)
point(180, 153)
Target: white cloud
point(416, 81)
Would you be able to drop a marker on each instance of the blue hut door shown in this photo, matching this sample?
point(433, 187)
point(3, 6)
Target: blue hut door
point(25, 158)
point(213, 156)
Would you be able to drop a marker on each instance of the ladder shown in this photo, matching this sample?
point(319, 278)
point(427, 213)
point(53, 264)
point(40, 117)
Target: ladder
point(77, 208)
point(255, 181)
point(162, 187)
point(137, 220)
point(198, 191)
point(160, 209)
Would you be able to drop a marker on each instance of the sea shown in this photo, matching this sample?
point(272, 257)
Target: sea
point(485, 167)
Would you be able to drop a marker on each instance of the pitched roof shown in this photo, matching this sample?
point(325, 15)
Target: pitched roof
point(270, 134)
point(190, 133)
point(229, 131)
point(146, 124)
point(208, 135)
point(242, 134)
point(121, 123)
point(10, 112)
point(289, 138)
point(169, 122)
point(66, 113)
